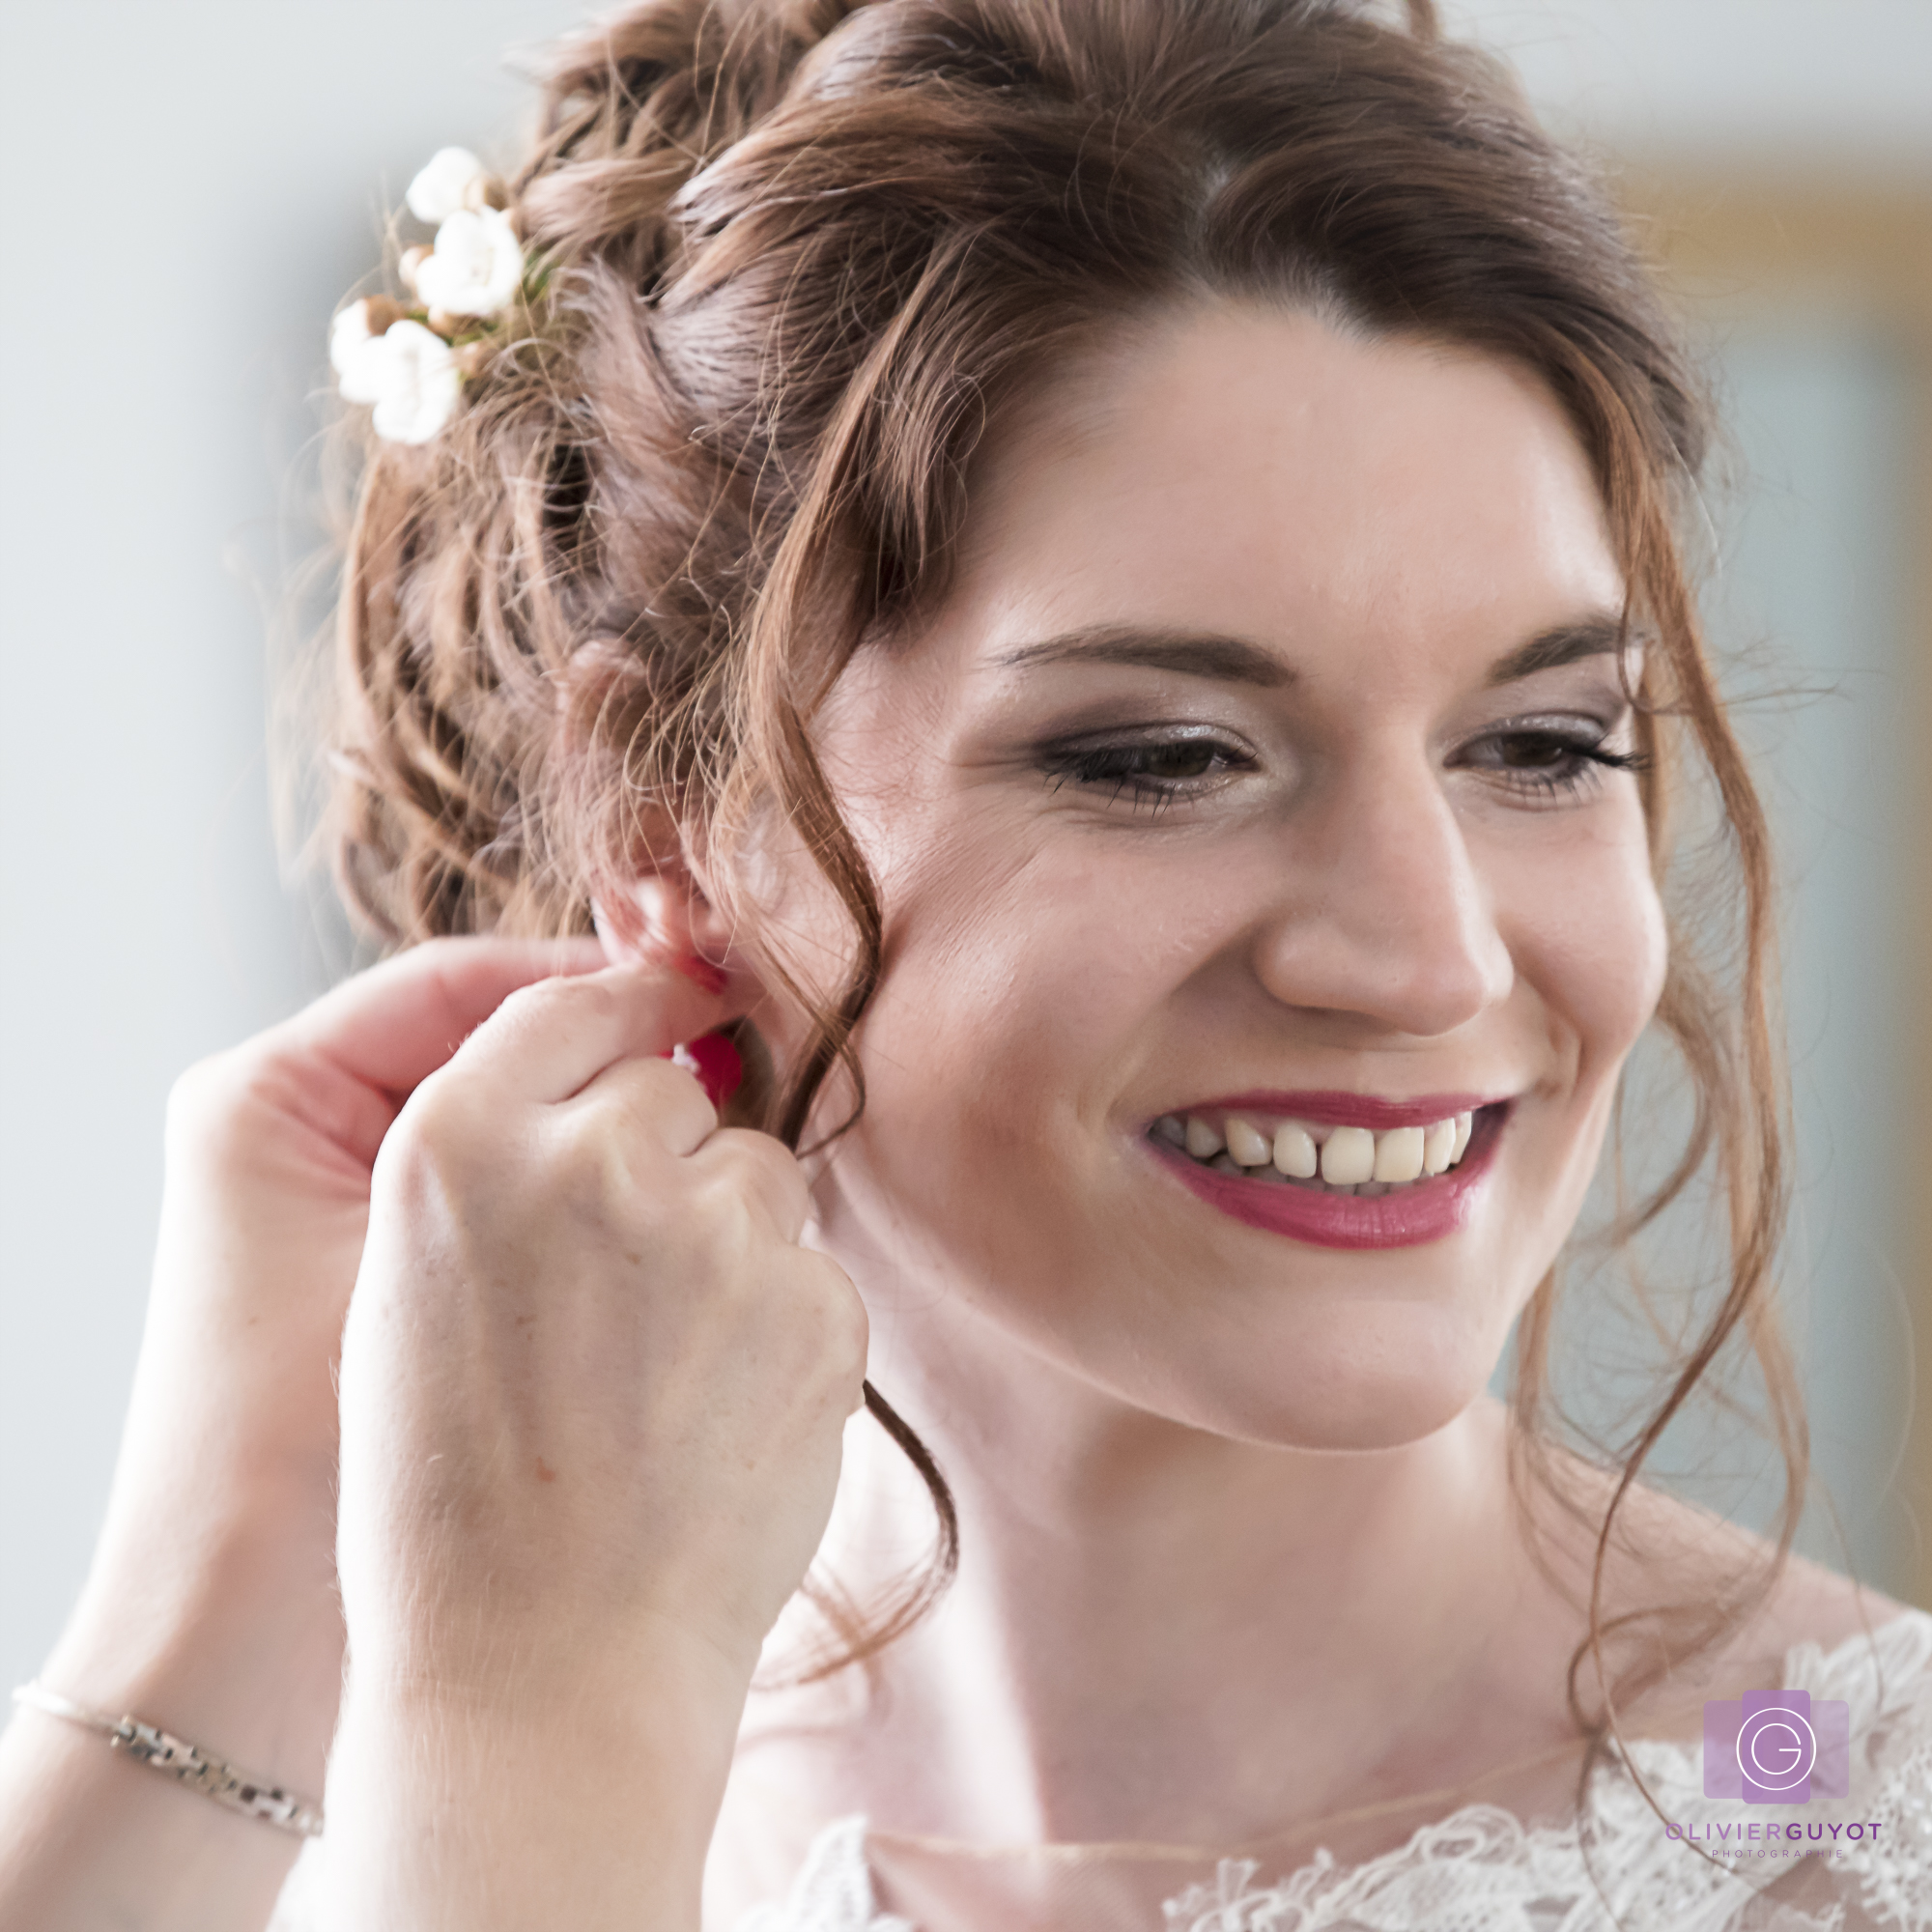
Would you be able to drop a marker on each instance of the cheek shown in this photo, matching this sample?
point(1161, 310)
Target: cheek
point(1036, 969)
point(1004, 971)
point(1586, 929)
point(1028, 983)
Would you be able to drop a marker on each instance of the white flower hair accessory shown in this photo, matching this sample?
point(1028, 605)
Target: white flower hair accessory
point(446, 182)
point(410, 359)
point(476, 266)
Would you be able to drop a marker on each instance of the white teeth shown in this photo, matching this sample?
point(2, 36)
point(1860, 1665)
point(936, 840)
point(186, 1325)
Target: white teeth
point(1348, 1156)
point(1342, 1159)
point(1294, 1152)
point(1398, 1154)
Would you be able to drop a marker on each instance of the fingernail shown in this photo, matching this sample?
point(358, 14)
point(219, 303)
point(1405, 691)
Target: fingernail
point(715, 1060)
point(711, 978)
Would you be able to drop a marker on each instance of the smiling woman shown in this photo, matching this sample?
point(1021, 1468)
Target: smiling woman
point(1334, 805)
point(1084, 593)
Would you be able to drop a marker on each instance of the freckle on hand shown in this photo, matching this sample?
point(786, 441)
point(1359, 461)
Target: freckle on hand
point(545, 1473)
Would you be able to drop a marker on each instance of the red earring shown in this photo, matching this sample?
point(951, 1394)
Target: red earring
point(715, 1062)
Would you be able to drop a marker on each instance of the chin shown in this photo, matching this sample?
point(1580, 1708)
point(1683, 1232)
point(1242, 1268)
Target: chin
point(1354, 1419)
point(1378, 1418)
point(1380, 1386)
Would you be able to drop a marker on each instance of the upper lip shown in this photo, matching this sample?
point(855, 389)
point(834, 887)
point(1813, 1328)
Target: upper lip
point(1345, 1110)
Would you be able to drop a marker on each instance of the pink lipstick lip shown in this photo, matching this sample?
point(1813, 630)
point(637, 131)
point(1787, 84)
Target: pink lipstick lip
point(1425, 1210)
point(1345, 1110)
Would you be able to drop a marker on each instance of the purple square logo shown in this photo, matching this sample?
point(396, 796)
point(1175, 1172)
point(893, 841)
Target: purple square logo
point(1777, 1747)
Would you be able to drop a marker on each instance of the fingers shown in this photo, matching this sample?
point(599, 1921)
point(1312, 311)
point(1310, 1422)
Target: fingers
point(764, 1170)
point(394, 1025)
point(656, 1097)
point(549, 1041)
point(651, 1096)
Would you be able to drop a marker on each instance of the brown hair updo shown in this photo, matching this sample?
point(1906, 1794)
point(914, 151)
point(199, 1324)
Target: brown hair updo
point(799, 252)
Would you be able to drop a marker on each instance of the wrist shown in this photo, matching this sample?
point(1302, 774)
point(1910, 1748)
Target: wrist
point(650, 1680)
point(222, 1634)
point(582, 1795)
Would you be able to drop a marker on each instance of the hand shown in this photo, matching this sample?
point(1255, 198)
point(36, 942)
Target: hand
point(592, 1386)
point(592, 1398)
point(212, 1603)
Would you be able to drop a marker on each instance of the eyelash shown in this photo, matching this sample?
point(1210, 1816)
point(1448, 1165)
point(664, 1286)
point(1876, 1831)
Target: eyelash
point(1124, 766)
point(1584, 762)
point(1115, 765)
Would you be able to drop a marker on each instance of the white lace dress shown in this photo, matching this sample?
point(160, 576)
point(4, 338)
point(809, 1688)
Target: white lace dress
point(1859, 1863)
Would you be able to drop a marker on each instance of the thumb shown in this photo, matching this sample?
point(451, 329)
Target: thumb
point(394, 1025)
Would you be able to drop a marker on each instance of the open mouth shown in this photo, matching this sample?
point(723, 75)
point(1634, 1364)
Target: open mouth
point(1320, 1153)
point(1372, 1173)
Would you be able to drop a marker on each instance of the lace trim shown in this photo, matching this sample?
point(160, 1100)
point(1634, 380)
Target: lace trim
point(1481, 1870)
point(832, 1891)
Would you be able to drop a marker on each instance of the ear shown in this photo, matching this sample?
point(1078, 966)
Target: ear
point(664, 916)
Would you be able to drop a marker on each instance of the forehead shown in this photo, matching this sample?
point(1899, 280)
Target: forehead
point(1263, 472)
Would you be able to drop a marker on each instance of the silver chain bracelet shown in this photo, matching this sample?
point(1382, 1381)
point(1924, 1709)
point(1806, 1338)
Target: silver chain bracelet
point(174, 1757)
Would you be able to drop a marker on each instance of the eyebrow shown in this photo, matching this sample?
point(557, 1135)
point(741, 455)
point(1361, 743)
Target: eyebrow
point(1236, 661)
point(1230, 659)
point(1561, 644)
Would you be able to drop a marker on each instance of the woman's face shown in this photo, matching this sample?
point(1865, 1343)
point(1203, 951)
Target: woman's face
point(1243, 780)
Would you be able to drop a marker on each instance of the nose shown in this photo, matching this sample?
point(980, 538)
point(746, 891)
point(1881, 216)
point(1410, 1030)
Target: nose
point(1384, 917)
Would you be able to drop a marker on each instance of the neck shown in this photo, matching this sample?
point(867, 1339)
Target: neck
point(1157, 1632)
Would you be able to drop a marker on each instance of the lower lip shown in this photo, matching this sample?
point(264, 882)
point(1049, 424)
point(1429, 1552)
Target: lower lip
point(1426, 1210)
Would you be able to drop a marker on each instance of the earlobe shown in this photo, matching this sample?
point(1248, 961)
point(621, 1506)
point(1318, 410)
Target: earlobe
point(667, 921)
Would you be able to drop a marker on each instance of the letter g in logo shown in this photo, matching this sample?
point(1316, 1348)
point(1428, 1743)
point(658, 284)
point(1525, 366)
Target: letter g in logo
point(1776, 1747)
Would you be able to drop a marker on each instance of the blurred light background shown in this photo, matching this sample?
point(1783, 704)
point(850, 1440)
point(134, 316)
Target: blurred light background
point(192, 187)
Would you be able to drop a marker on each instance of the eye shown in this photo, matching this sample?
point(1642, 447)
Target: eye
point(1152, 771)
point(1544, 760)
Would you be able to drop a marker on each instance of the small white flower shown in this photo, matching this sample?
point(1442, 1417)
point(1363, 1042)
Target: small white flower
point(354, 352)
point(444, 184)
point(477, 266)
point(416, 379)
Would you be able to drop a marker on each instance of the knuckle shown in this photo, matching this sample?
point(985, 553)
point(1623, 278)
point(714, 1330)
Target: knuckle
point(599, 1164)
point(435, 1112)
point(719, 1204)
point(200, 1093)
point(838, 1312)
point(856, 1329)
point(659, 1087)
point(595, 1150)
point(439, 1129)
point(209, 1105)
point(586, 996)
point(685, 1085)
point(522, 1004)
point(636, 1115)
point(542, 1003)
point(759, 1161)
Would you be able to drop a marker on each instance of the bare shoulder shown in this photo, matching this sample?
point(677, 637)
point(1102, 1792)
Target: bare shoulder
point(1813, 1605)
point(1667, 1549)
point(1808, 1602)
